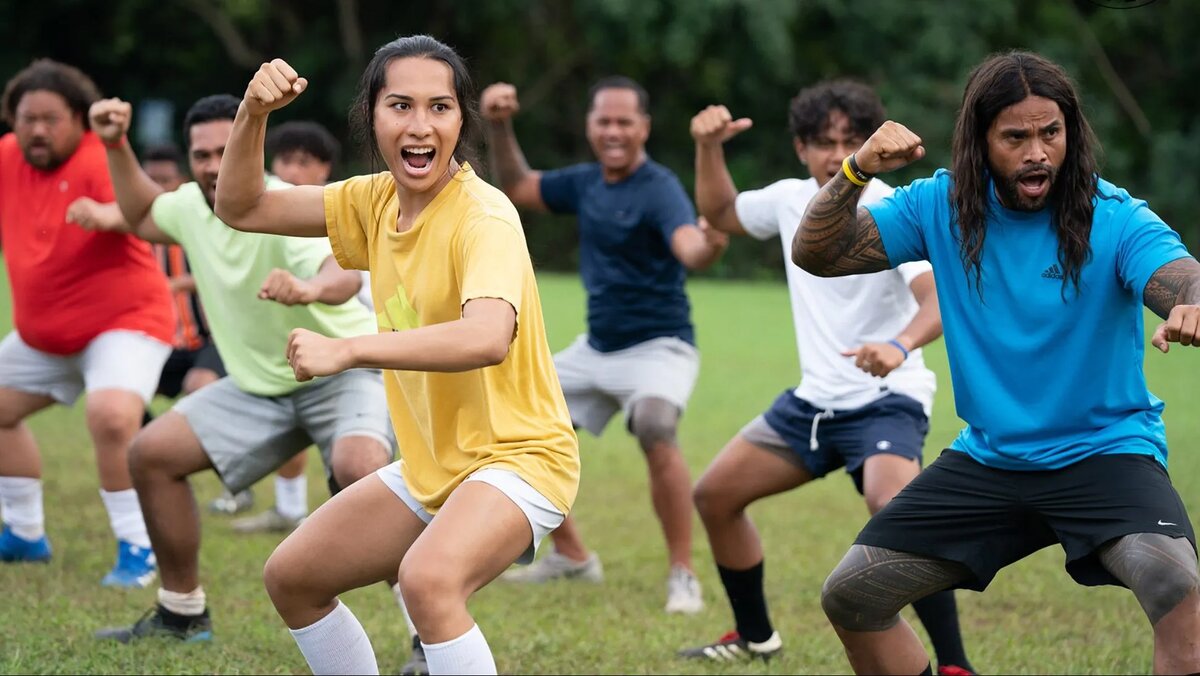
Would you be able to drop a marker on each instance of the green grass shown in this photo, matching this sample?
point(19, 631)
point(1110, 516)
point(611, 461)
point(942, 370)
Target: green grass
point(1033, 619)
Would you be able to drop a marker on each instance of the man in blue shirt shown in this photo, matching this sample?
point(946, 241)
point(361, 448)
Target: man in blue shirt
point(637, 237)
point(1042, 269)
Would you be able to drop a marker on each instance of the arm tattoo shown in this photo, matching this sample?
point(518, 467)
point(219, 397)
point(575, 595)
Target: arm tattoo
point(836, 237)
point(1176, 283)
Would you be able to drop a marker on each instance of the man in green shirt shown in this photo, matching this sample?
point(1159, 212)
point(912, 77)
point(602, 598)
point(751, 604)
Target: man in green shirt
point(256, 289)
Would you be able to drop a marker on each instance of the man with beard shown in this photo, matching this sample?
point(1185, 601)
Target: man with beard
point(638, 238)
point(91, 309)
point(1042, 268)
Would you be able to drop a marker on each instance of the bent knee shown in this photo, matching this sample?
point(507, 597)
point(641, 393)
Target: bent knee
point(426, 584)
point(1163, 585)
point(284, 576)
point(713, 501)
point(655, 423)
point(113, 420)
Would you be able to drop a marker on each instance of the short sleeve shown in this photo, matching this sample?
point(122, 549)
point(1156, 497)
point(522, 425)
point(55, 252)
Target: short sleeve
point(910, 271)
point(671, 206)
point(493, 261)
point(305, 255)
point(900, 216)
point(165, 212)
point(758, 210)
point(1147, 244)
point(351, 208)
point(562, 189)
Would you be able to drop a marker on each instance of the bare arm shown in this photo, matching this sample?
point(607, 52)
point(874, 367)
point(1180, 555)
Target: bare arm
point(479, 339)
point(880, 359)
point(698, 246)
point(498, 103)
point(836, 237)
point(332, 285)
point(243, 202)
point(715, 190)
point(1173, 293)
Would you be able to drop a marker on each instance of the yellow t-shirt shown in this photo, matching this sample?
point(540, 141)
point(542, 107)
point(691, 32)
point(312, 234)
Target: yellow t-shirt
point(467, 243)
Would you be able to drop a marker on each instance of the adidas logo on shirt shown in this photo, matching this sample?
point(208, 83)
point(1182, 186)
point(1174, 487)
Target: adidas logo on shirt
point(1053, 272)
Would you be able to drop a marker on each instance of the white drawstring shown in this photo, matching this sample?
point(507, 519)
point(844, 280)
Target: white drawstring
point(812, 439)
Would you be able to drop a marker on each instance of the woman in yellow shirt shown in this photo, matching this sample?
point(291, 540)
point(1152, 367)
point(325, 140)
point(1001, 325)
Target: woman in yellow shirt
point(489, 461)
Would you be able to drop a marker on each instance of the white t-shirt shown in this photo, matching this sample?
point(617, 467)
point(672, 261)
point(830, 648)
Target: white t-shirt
point(840, 313)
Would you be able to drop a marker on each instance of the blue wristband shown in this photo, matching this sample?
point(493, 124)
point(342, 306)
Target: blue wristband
point(898, 346)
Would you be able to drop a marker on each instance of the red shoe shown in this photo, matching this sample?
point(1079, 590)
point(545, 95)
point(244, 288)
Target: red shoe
point(953, 670)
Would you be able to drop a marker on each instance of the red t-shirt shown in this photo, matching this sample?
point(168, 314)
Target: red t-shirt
point(69, 285)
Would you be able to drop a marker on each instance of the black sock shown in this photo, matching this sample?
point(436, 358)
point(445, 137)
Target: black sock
point(939, 614)
point(745, 591)
point(928, 670)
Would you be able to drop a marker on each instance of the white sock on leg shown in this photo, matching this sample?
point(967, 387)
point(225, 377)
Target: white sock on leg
point(337, 644)
point(125, 515)
point(412, 628)
point(467, 654)
point(21, 506)
point(291, 496)
point(190, 603)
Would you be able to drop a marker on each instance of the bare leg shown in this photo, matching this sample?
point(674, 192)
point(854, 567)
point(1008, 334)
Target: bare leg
point(654, 422)
point(19, 456)
point(863, 596)
point(569, 542)
point(295, 467)
point(354, 457)
point(162, 457)
point(113, 418)
point(1161, 571)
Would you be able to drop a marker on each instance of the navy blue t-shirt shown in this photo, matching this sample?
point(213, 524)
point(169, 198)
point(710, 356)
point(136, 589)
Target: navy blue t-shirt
point(633, 280)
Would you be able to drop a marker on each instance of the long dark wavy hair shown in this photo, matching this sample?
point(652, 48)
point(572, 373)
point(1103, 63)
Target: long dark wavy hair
point(1001, 81)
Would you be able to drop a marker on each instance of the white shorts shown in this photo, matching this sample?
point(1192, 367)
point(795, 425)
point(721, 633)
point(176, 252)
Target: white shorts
point(542, 514)
point(117, 360)
point(598, 384)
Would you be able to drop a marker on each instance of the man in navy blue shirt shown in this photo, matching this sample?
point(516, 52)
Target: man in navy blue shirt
point(1042, 269)
point(638, 235)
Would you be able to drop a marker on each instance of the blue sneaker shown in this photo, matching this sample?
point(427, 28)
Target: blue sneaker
point(14, 548)
point(135, 568)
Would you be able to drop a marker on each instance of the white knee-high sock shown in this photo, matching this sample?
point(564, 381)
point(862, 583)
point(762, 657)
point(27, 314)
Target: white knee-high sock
point(337, 644)
point(125, 515)
point(467, 654)
point(21, 506)
point(412, 628)
point(291, 496)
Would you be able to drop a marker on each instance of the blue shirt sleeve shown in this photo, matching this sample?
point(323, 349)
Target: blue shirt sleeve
point(1147, 244)
point(671, 207)
point(900, 217)
point(562, 189)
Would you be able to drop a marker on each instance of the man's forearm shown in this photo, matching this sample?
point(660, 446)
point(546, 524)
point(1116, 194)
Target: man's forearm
point(240, 182)
point(715, 191)
point(507, 160)
point(135, 190)
point(1176, 283)
point(335, 285)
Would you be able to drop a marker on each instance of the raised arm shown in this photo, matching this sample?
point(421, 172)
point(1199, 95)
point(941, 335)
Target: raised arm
point(243, 202)
point(135, 191)
point(1173, 293)
point(715, 191)
point(498, 103)
point(838, 238)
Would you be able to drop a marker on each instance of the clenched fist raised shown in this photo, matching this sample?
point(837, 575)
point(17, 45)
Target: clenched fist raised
point(275, 85)
point(498, 102)
point(110, 119)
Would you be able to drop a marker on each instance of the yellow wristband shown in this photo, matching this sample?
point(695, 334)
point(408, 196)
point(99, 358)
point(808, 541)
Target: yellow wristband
point(850, 173)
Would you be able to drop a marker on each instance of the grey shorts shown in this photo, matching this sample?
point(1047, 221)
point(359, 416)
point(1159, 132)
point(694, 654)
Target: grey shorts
point(247, 436)
point(598, 384)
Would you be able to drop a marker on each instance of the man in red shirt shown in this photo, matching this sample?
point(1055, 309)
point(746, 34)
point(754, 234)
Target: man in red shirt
point(91, 311)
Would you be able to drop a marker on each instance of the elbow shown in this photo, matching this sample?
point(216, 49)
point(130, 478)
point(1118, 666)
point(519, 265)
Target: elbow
point(234, 213)
point(492, 352)
point(810, 264)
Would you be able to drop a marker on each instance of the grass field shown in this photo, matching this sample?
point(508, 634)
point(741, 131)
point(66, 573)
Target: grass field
point(1033, 619)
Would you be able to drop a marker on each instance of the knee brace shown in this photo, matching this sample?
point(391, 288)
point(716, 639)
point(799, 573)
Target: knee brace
point(654, 421)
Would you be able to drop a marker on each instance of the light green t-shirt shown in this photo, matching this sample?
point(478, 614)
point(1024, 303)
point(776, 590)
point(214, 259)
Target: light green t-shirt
point(229, 268)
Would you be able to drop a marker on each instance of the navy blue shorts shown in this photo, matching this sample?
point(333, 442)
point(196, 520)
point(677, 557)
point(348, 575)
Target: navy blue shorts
point(895, 425)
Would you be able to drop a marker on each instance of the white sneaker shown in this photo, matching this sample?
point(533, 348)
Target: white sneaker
point(555, 566)
point(683, 592)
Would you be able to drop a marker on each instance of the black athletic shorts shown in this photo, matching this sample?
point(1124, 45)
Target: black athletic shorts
point(985, 518)
point(170, 383)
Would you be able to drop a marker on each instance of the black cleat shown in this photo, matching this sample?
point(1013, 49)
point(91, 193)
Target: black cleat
point(160, 622)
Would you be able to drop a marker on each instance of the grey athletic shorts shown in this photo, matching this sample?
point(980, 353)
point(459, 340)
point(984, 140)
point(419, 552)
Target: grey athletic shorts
point(247, 436)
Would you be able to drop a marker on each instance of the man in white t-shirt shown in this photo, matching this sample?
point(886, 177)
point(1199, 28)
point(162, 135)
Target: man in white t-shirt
point(865, 394)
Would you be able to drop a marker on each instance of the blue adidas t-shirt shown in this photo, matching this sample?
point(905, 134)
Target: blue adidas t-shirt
point(1041, 382)
point(633, 280)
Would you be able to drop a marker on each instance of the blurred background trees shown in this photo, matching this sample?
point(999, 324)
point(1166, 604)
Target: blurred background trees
point(1138, 69)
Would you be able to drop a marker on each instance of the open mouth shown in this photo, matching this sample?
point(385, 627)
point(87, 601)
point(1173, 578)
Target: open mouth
point(1034, 184)
point(418, 160)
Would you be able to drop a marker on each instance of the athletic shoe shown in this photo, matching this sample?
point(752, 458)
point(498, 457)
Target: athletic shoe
point(270, 521)
point(229, 504)
point(683, 592)
point(555, 566)
point(731, 647)
point(953, 670)
point(16, 549)
point(415, 666)
point(160, 622)
point(135, 567)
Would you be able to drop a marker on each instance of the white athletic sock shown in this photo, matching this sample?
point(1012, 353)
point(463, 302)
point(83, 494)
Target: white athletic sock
point(192, 603)
point(291, 496)
point(412, 628)
point(337, 644)
point(21, 506)
point(125, 515)
point(467, 654)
